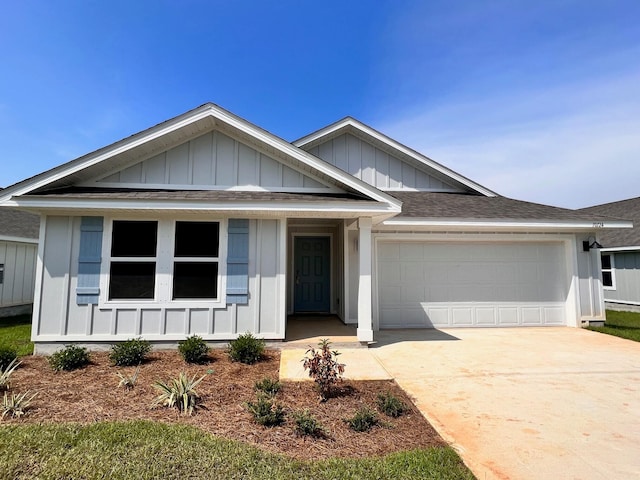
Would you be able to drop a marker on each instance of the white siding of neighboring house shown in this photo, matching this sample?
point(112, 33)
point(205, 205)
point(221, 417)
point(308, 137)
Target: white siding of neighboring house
point(19, 260)
point(627, 278)
point(60, 319)
point(213, 159)
point(377, 167)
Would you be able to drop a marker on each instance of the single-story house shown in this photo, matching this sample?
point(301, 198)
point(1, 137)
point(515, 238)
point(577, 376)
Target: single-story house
point(207, 224)
point(620, 255)
point(18, 251)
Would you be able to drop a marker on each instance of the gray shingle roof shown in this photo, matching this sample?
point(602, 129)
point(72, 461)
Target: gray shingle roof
point(619, 237)
point(16, 223)
point(204, 195)
point(469, 206)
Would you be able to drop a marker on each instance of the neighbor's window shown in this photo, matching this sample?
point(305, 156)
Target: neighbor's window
point(196, 258)
point(133, 260)
point(1, 273)
point(608, 280)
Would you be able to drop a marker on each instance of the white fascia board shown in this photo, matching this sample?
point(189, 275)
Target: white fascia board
point(8, 238)
point(619, 249)
point(169, 205)
point(351, 122)
point(506, 224)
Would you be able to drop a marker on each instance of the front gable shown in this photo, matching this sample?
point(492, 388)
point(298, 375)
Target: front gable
point(213, 161)
point(383, 162)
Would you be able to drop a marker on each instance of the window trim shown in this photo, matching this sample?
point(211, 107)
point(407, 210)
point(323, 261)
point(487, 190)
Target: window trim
point(164, 261)
point(611, 270)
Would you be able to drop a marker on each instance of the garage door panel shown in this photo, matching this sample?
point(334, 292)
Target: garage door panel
point(471, 284)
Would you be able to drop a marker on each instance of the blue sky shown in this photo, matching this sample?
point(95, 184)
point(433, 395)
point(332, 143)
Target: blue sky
point(537, 100)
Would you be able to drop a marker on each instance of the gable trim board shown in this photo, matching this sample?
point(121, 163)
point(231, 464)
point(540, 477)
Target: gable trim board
point(255, 279)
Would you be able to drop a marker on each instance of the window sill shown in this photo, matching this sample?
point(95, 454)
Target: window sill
point(156, 305)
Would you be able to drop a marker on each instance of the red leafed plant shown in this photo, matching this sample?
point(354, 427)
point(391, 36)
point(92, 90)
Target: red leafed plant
point(323, 367)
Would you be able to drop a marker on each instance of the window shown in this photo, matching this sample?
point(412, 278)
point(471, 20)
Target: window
point(1, 273)
point(195, 267)
point(164, 261)
point(133, 260)
point(608, 278)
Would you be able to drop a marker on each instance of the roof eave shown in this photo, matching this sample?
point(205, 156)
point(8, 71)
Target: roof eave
point(504, 224)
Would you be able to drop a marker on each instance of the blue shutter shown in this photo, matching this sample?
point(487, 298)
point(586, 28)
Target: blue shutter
point(88, 290)
point(238, 262)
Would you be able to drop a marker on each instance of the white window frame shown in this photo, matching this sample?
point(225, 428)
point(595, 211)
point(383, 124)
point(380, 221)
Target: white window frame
point(165, 258)
point(611, 270)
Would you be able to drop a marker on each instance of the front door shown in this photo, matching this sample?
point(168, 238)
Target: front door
point(311, 274)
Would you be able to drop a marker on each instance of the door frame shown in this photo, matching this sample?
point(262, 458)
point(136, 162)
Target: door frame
point(291, 267)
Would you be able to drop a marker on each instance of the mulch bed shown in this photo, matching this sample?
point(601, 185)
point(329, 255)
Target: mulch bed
point(92, 395)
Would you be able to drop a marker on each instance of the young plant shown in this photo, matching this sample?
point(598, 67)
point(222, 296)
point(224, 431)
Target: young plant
point(7, 355)
point(5, 373)
point(17, 404)
point(129, 353)
point(266, 411)
point(323, 367)
point(194, 349)
point(268, 386)
point(390, 405)
point(307, 425)
point(69, 358)
point(128, 381)
point(179, 393)
point(246, 349)
point(363, 420)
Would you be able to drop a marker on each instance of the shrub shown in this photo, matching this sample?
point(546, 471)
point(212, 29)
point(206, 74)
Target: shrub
point(126, 381)
point(131, 352)
point(69, 358)
point(194, 349)
point(7, 355)
point(5, 374)
point(246, 349)
point(179, 393)
point(363, 420)
point(391, 405)
point(323, 367)
point(17, 404)
point(307, 425)
point(268, 386)
point(266, 411)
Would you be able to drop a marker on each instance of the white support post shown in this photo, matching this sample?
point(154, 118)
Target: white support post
point(365, 323)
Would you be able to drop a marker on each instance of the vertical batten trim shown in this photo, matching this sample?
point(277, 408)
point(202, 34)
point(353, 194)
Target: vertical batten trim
point(258, 277)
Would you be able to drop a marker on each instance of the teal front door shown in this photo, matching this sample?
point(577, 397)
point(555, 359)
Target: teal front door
point(311, 269)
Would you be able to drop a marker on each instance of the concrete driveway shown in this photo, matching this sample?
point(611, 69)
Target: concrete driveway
point(525, 403)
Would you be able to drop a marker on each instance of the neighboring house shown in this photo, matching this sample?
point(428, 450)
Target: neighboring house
point(18, 251)
point(206, 224)
point(620, 255)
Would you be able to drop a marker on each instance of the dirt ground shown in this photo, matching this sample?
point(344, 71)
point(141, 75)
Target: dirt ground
point(92, 395)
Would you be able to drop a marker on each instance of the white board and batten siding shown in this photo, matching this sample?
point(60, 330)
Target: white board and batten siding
point(62, 319)
point(18, 263)
point(467, 284)
point(377, 167)
point(212, 161)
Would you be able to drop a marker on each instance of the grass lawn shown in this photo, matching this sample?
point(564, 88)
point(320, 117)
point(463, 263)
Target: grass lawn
point(15, 332)
point(621, 324)
point(144, 449)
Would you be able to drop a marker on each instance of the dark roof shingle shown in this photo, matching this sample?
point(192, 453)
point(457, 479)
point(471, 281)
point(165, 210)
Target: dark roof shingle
point(619, 237)
point(16, 223)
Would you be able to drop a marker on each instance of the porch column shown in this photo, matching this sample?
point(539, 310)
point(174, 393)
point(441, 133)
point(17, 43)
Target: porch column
point(365, 323)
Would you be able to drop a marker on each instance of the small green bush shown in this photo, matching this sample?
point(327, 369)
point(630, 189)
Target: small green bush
point(7, 355)
point(132, 352)
point(363, 420)
point(179, 393)
point(307, 425)
point(5, 374)
point(268, 386)
point(391, 405)
point(246, 349)
point(266, 411)
point(69, 358)
point(194, 349)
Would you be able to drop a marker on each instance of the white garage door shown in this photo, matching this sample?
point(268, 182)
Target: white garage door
point(471, 284)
